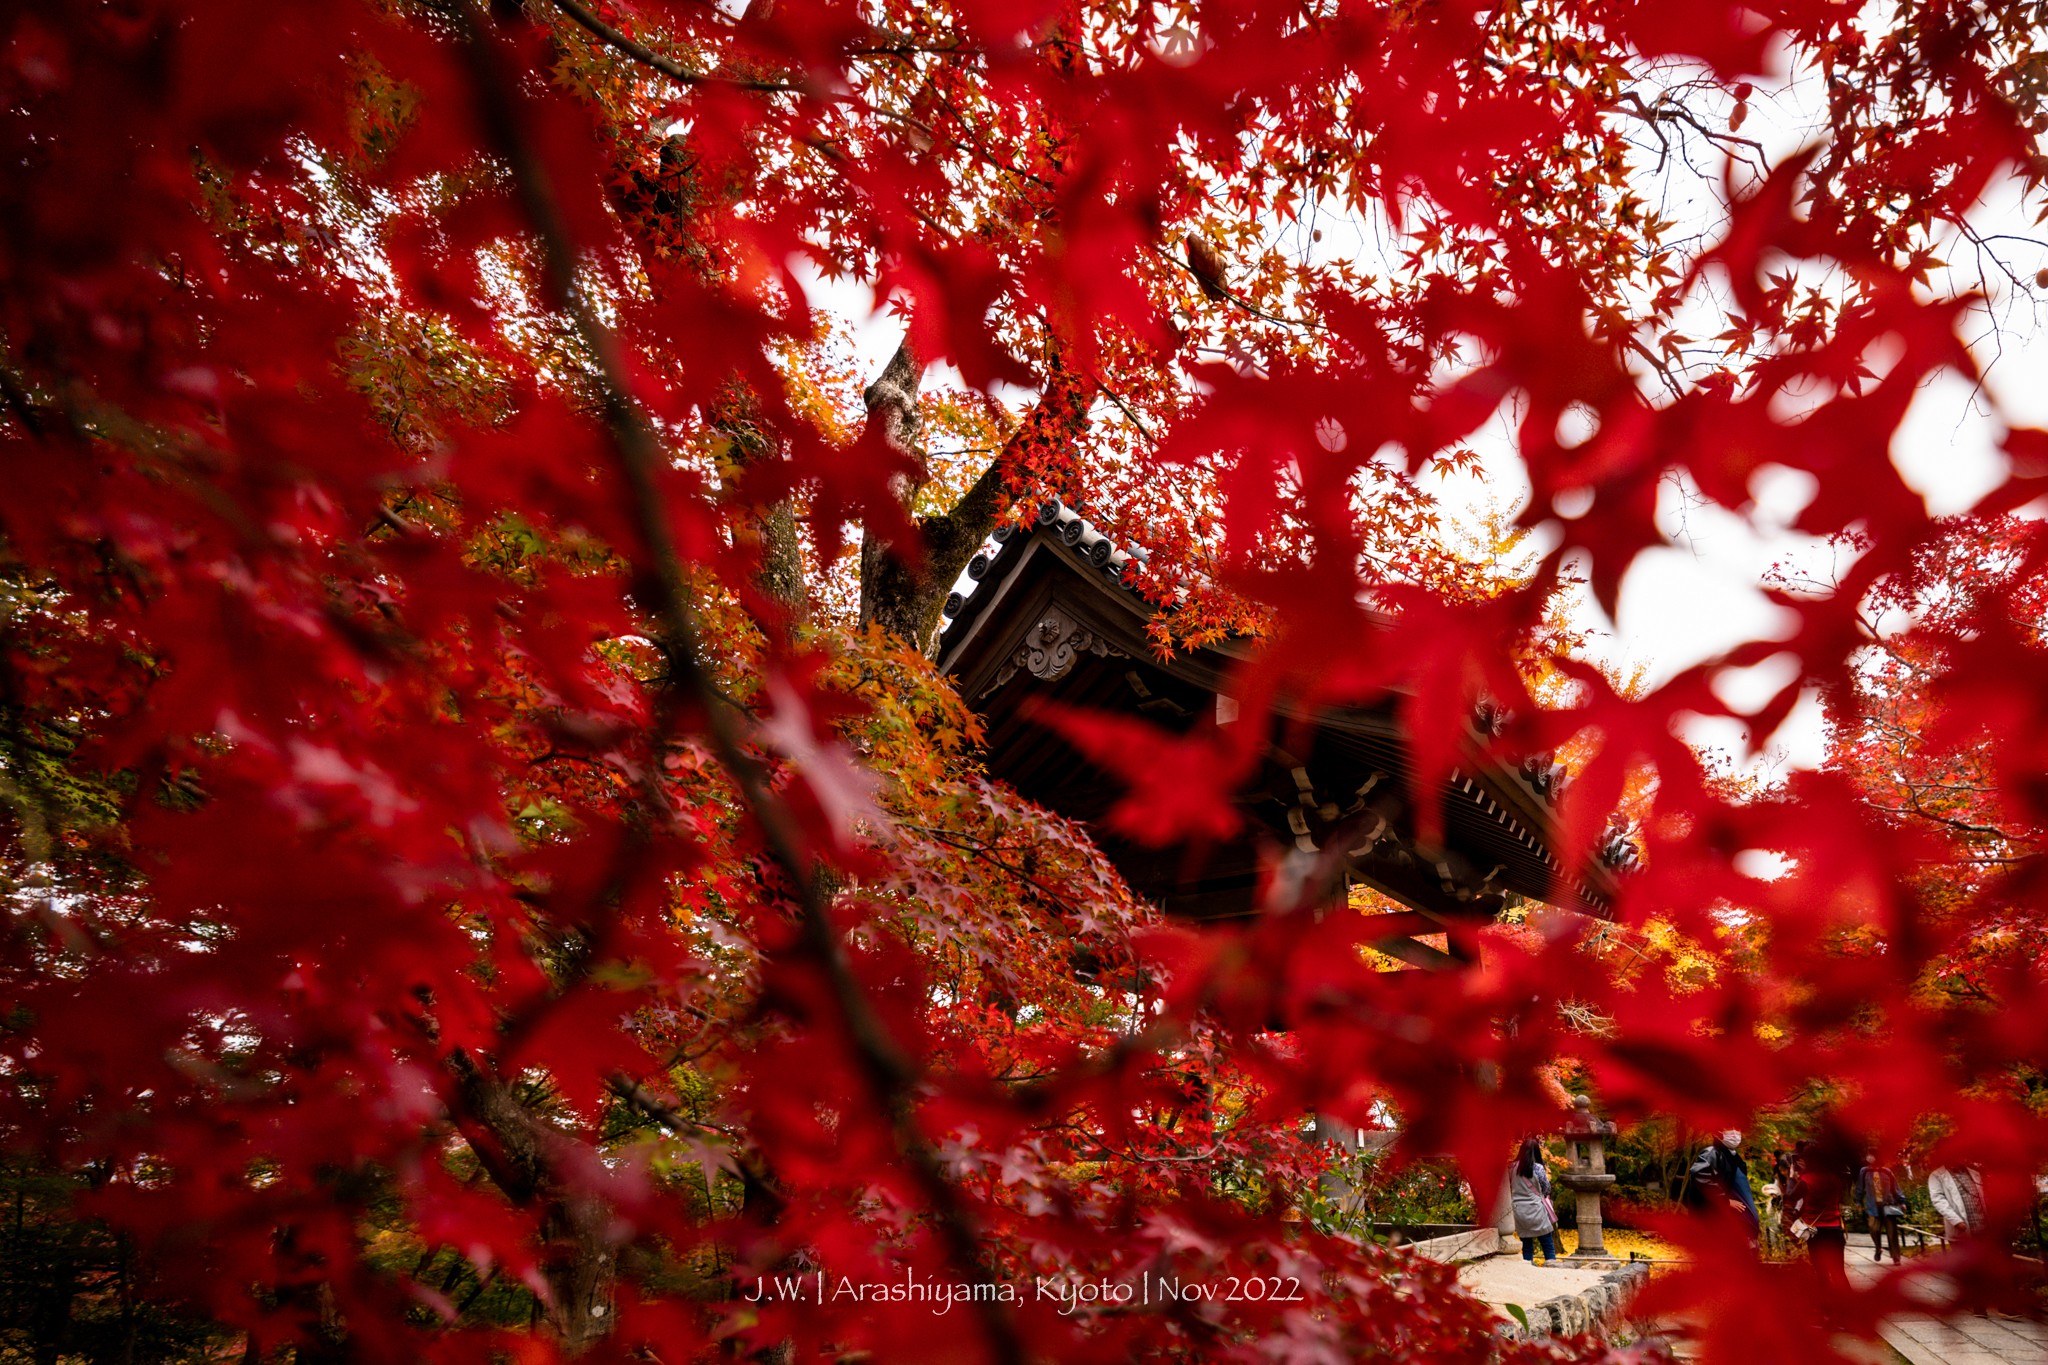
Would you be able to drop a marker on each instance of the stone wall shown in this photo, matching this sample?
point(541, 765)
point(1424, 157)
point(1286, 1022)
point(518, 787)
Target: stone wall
point(1601, 1310)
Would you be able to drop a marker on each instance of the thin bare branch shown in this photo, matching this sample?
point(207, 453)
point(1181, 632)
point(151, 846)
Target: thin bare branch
point(646, 56)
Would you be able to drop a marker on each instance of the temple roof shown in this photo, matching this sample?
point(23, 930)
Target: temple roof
point(1050, 617)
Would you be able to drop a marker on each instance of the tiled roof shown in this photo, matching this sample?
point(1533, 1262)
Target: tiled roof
point(1539, 776)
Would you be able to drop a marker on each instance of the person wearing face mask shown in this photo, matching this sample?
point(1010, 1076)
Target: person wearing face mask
point(1719, 1174)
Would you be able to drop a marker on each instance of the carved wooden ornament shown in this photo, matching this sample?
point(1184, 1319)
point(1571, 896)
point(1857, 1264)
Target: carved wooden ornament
point(1051, 647)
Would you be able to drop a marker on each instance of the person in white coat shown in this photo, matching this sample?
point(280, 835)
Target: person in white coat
point(1958, 1197)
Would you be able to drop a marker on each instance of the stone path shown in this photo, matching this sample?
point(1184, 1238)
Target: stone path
point(1954, 1341)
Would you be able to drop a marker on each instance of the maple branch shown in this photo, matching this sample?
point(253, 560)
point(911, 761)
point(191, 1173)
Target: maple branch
point(1886, 643)
point(673, 1120)
point(1218, 290)
point(1125, 408)
point(651, 1106)
point(988, 855)
point(1982, 241)
point(1583, 1018)
point(894, 46)
point(1657, 365)
point(979, 142)
point(668, 66)
point(1105, 1149)
point(1913, 807)
point(891, 1074)
point(1667, 111)
point(391, 521)
point(483, 1282)
point(908, 48)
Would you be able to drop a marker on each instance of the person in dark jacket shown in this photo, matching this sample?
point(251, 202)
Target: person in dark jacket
point(1884, 1206)
point(1719, 1175)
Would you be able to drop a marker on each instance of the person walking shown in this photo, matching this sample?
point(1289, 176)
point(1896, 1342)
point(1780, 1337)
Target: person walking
point(1719, 1174)
point(1770, 1205)
point(1529, 1198)
point(1820, 1184)
point(1884, 1207)
point(1958, 1197)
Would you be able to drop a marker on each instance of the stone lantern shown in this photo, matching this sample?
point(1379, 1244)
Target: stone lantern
point(1585, 1173)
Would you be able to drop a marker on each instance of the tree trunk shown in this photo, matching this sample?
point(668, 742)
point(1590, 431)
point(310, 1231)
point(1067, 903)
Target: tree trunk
point(890, 589)
point(516, 1149)
point(779, 571)
point(583, 1273)
point(906, 599)
point(781, 574)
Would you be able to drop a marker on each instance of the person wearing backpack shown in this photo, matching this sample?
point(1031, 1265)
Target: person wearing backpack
point(1884, 1205)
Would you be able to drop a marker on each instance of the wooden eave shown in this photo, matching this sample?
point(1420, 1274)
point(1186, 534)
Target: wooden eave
point(1094, 652)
